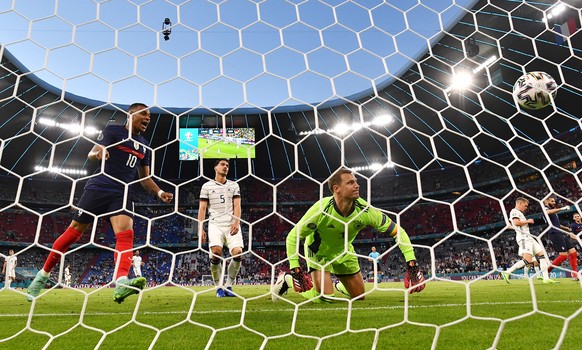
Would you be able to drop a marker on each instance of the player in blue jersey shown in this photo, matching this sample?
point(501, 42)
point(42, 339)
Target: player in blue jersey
point(576, 226)
point(562, 239)
point(124, 156)
point(373, 257)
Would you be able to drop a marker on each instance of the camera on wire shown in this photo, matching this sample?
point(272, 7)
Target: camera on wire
point(167, 29)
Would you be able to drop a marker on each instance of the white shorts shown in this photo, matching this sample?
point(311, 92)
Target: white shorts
point(220, 236)
point(529, 245)
point(11, 274)
point(137, 270)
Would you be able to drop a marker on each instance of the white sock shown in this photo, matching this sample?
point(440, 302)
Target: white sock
point(215, 269)
point(544, 264)
point(233, 268)
point(518, 265)
point(526, 271)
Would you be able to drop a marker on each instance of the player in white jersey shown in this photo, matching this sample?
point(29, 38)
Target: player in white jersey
point(67, 276)
point(9, 268)
point(222, 199)
point(137, 263)
point(528, 244)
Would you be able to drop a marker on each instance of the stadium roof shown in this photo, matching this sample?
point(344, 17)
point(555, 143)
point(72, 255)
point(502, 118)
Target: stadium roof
point(431, 127)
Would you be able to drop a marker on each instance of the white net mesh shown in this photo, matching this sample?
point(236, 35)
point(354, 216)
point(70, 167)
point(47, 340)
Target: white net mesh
point(368, 85)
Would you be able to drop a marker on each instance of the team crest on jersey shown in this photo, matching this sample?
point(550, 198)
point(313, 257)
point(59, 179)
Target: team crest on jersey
point(100, 136)
point(80, 212)
point(311, 226)
point(358, 225)
point(136, 145)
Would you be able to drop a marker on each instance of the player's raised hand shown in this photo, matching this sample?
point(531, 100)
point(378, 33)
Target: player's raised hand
point(413, 277)
point(301, 281)
point(99, 152)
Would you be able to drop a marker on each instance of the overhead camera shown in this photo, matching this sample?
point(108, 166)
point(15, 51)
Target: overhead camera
point(167, 29)
point(471, 48)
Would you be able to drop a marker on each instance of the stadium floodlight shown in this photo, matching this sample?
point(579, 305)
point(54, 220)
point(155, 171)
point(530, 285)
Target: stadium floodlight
point(461, 81)
point(315, 131)
point(555, 10)
point(357, 126)
point(72, 127)
point(91, 130)
point(341, 129)
point(374, 166)
point(58, 170)
point(485, 64)
point(382, 119)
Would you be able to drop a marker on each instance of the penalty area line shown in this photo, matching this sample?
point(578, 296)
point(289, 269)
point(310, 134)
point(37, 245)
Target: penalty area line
point(376, 308)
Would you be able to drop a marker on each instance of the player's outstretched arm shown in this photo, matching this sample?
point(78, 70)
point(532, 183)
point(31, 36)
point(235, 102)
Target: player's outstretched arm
point(413, 278)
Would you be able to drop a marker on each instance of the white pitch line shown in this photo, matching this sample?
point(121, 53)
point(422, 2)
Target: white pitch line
point(393, 307)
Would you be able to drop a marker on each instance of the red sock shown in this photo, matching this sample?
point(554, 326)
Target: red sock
point(558, 261)
point(574, 262)
point(62, 244)
point(124, 242)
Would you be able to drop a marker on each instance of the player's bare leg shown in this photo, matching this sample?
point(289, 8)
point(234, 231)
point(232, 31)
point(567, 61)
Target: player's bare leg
point(354, 285)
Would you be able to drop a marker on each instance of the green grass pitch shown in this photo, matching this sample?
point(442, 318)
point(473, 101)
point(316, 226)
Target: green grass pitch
point(219, 149)
point(499, 316)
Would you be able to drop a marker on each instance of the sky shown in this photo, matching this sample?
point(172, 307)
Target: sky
point(222, 54)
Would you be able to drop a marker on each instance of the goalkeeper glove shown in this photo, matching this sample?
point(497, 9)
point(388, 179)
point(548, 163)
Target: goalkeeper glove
point(301, 281)
point(413, 277)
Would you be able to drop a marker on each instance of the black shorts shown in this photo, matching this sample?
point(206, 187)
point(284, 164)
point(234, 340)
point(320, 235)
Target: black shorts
point(561, 241)
point(101, 202)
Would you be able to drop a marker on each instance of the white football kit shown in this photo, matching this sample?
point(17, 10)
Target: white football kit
point(11, 266)
point(67, 277)
point(136, 262)
point(220, 208)
point(525, 241)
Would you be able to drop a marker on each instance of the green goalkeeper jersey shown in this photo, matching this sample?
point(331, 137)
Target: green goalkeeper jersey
point(324, 230)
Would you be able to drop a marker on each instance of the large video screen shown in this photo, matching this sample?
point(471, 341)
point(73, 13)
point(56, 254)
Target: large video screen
point(215, 143)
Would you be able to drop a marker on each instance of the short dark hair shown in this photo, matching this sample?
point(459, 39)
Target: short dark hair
point(336, 178)
point(136, 107)
point(220, 160)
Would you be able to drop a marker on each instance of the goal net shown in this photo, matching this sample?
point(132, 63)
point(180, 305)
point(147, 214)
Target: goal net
point(416, 98)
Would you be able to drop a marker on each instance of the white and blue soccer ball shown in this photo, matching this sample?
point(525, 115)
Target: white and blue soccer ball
point(535, 90)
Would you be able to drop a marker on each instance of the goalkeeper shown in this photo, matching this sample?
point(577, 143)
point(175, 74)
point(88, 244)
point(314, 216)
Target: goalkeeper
point(324, 230)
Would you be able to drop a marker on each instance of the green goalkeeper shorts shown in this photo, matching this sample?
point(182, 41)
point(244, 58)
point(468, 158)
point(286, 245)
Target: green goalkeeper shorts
point(346, 264)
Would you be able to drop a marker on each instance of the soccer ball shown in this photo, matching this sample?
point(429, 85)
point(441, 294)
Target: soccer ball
point(532, 90)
